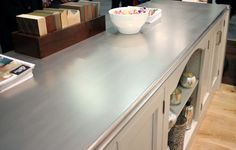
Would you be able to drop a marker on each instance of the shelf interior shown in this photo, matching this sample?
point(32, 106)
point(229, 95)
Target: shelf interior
point(186, 94)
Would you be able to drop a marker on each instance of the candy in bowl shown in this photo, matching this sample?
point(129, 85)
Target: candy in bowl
point(129, 20)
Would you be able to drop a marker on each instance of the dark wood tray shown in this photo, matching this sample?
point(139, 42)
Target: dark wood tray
point(43, 46)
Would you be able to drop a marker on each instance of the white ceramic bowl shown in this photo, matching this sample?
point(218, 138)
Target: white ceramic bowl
point(126, 22)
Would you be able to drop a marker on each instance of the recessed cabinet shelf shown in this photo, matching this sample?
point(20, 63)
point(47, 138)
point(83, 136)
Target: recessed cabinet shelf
point(186, 93)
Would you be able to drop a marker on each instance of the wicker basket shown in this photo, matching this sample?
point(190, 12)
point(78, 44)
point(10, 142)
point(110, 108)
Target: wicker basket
point(176, 134)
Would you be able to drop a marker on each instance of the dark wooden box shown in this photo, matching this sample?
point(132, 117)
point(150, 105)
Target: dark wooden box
point(43, 46)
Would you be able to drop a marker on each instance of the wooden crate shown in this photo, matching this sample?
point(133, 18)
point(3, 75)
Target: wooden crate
point(43, 46)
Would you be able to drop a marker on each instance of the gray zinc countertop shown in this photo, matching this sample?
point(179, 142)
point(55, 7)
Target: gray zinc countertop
point(78, 93)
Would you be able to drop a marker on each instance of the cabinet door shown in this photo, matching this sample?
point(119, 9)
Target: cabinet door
point(213, 60)
point(144, 130)
point(217, 40)
point(221, 46)
point(205, 75)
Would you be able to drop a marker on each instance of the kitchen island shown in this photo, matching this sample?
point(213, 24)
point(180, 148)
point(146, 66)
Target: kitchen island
point(112, 91)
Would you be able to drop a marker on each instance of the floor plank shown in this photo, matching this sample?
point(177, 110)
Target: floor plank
point(218, 129)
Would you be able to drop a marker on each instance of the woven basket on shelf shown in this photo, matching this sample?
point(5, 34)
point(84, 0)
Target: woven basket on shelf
point(176, 134)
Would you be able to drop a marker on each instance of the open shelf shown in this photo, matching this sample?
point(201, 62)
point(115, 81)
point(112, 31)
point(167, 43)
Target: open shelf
point(186, 94)
point(188, 134)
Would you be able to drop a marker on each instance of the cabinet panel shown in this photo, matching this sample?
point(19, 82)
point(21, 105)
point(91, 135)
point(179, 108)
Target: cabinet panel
point(144, 130)
point(205, 75)
point(138, 136)
point(216, 53)
point(222, 47)
point(213, 61)
point(111, 146)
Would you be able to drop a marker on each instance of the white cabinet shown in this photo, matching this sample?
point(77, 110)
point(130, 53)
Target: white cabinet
point(218, 46)
point(206, 63)
point(213, 59)
point(215, 43)
point(147, 128)
point(144, 130)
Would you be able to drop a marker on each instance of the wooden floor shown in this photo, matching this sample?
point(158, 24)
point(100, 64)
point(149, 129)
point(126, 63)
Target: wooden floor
point(218, 129)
